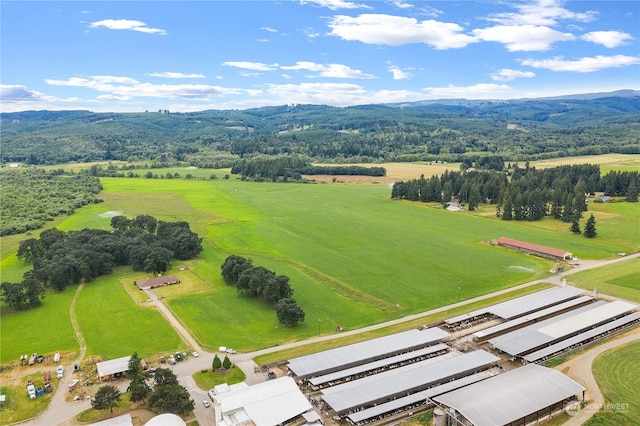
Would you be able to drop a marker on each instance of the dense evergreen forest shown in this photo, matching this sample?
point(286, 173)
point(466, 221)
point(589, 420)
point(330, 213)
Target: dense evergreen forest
point(529, 194)
point(518, 130)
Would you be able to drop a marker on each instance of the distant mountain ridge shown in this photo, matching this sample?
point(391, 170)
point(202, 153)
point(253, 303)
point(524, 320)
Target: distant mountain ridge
point(450, 130)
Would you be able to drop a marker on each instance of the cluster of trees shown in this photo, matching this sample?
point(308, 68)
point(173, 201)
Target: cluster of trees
point(62, 258)
point(218, 364)
point(473, 188)
point(519, 130)
point(258, 281)
point(530, 194)
point(31, 197)
point(167, 396)
point(24, 295)
point(286, 167)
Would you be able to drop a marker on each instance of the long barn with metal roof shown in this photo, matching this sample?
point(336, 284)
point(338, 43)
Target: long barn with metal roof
point(520, 306)
point(333, 360)
point(536, 336)
point(521, 396)
point(384, 387)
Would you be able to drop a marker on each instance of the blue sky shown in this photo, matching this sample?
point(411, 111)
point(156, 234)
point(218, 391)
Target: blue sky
point(189, 56)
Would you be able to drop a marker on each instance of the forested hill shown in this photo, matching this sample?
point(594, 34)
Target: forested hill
point(448, 130)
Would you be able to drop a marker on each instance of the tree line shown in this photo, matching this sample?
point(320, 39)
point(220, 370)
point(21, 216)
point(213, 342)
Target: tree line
point(530, 194)
point(258, 281)
point(63, 258)
point(286, 167)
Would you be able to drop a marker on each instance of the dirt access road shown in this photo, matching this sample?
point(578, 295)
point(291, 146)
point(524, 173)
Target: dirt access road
point(61, 412)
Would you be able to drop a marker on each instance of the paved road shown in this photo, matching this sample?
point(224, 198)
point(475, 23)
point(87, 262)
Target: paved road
point(60, 412)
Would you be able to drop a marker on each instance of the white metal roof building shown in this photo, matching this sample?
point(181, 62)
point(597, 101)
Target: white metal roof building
point(522, 305)
point(383, 387)
point(416, 399)
point(591, 334)
point(522, 395)
point(532, 317)
point(360, 353)
point(534, 337)
point(107, 369)
point(375, 365)
point(266, 404)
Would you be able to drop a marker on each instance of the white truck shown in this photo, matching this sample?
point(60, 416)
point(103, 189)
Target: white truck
point(31, 389)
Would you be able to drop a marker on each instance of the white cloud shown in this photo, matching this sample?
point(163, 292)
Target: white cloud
point(255, 66)
point(540, 13)
point(583, 65)
point(398, 73)
point(336, 4)
point(269, 29)
point(522, 37)
point(328, 70)
point(127, 24)
point(477, 91)
point(506, 74)
point(113, 98)
point(396, 30)
point(311, 32)
point(608, 39)
point(336, 94)
point(125, 87)
point(400, 4)
point(15, 92)
point(169, 74)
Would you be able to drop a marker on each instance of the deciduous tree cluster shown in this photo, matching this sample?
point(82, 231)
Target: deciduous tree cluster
point(60, 258)
point(258, 281)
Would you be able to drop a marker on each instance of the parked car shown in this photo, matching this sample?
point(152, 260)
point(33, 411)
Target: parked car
point(195, 354)
point(206, 403)
point(172, 360)
point(60, 372)
point(231, 351)
point(178, 357)
point(162, 360)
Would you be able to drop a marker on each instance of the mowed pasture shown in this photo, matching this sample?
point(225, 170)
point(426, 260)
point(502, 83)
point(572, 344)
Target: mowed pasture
point(619, 280)
point(617, 372)
point(113, 325)
point(354, 256)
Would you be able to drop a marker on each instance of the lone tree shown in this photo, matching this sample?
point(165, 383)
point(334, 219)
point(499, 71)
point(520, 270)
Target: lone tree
point(216, 364)
point(590, 227)
point(138, 389)
point(226, 363)
point(289, 312)
point(106, 397)
point(575, 227)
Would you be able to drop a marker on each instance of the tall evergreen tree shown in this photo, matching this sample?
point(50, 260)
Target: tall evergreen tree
point(632, 192)
point(590, 227)
point(575, 227)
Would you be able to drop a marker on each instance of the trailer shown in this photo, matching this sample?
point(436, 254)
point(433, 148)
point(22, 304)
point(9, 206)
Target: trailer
point(56, 357)
point(32, 360)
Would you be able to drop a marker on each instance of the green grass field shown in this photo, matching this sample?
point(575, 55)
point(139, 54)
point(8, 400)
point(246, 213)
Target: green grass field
point(44, 330)
point(619, 280)
point(355, 257)
point(617, 372)
point(114, 326)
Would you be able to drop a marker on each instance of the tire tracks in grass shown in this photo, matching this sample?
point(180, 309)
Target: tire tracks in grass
point(327, 281)
point(74, 322)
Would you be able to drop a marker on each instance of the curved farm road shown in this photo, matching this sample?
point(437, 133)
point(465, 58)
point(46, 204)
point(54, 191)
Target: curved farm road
point(580, 370)
point(61, 412)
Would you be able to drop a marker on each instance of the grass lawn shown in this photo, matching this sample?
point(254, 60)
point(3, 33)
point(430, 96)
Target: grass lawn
point(619, 280)
point(18, 406)
point(208, 379)
point(114, 325)
point(44, 330)
point(617, 372)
